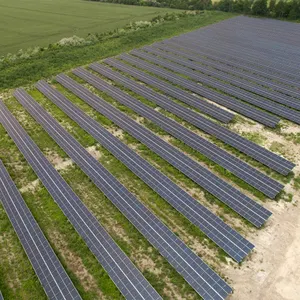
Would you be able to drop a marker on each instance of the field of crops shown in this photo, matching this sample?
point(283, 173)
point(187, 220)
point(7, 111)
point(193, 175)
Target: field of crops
point(28, 23)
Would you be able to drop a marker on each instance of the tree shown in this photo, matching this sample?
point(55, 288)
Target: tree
point(225, 5)
point(260, 8)
point(238, 6)
point(200, 4)
point(282, 9)
point(272, 6)
point(294, 13)
point(247, 6)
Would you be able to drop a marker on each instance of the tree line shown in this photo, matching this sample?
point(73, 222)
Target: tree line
point(272, 8)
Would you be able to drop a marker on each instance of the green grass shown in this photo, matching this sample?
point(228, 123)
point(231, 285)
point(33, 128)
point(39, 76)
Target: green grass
point(297, 183)
point(52, 61)
point(29, 23)
point(17, 277)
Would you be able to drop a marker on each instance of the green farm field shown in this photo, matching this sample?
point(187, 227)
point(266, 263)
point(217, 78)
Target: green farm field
point(28, 23)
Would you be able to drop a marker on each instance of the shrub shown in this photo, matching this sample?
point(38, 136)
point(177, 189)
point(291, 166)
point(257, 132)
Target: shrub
point(260, 8)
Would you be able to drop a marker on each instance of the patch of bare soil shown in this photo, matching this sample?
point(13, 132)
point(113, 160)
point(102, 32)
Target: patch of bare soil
point(119, 231)
point(30, 187)
point(118, 133)
point(289, 148)
point(146, 263)
point(212, 102)
point(291, 129)
point(272, 271)
point(94, 152)
point(140, 120)
point(6, 95)
point(58, 162)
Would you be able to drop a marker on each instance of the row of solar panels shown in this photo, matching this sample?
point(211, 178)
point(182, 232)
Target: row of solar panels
point(166, 58)
point(225, 237)
point(227, 88)
point(279, 57)
point(203, 279)
point(282, 51)
point(120, 269)
point(211, 55)
point(218, 236)
point(275, 66)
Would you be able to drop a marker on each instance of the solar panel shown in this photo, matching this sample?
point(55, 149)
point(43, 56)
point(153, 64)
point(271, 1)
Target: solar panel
point(1, 296)
point(224, 236)
point(50, 272)
point(261, 76)
point(255, 151)
point(246, 207)
point(276, 108)
point(280, 63)
point(203, 279)
point(199, 57)
point(226, 101)
point(171, 90)
point(121, 270)
point(210, 150)
point(280, 69)
point(269, 51)
point(204, 106)
point(215, 54)
point(223, 76)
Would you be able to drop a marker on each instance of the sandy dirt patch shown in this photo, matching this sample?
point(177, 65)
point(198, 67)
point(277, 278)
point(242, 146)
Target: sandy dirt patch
point(58, 162)
point(94, 152)
point(32, 186)
point(273, 269)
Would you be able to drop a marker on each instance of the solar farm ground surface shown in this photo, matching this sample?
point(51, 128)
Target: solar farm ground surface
point(33, 23)
point(270, 271)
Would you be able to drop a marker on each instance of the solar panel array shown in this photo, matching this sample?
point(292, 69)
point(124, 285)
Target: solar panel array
point(1, 296)
point(171, 90)
point(272, 60)
point(121, 270)
point(213, 54)
point(228, 239)
point(277, 67)
point(203, 279)
point(214, 96)
point(50, 272)
point(255, 151)
point(242, 170)
point(216, 154)
point(249, 66)
point(226, 77)
point(285, 97)
point(246, 96)
point(243, 205)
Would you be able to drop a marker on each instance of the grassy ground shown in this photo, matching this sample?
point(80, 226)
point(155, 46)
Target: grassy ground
point(29, 23)
point(53, 61)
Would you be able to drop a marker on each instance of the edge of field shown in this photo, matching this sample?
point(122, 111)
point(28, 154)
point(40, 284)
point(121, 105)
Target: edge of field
point(53, 61)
